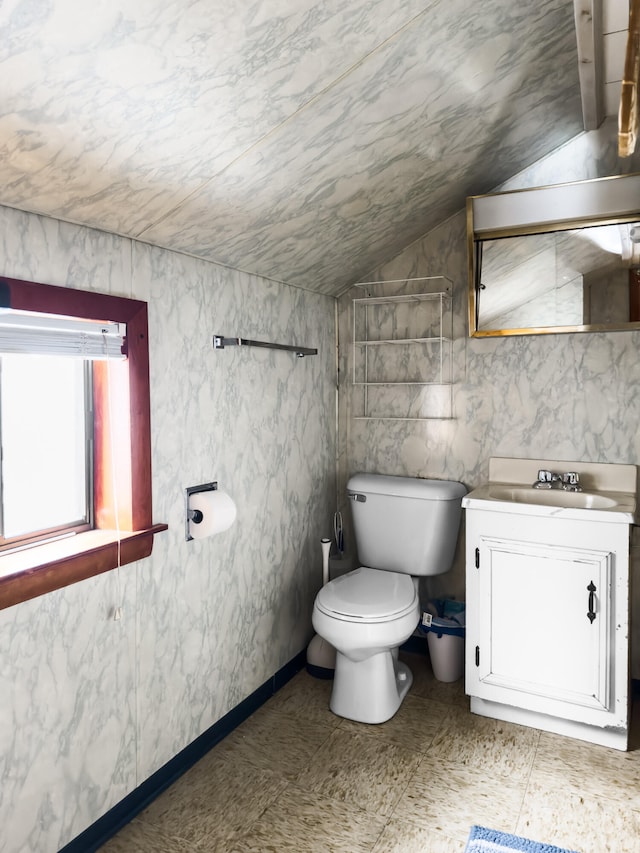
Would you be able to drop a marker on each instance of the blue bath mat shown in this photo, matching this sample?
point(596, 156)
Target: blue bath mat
point(483, 840)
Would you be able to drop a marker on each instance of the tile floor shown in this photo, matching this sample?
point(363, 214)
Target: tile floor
point(294, 777)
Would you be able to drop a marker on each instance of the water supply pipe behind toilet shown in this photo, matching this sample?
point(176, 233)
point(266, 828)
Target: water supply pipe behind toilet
point(321, 655)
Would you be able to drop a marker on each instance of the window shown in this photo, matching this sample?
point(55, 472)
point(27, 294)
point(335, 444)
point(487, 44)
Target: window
point(46, 439)
point(122, 528)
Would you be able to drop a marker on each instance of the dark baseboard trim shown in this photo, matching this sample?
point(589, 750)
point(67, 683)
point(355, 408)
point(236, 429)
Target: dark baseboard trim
point(110, 823)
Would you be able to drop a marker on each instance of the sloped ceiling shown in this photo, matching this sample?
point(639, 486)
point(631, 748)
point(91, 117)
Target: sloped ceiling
point(303, 141)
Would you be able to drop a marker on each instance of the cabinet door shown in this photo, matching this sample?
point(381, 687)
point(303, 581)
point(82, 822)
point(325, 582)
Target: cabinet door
point(544, 623)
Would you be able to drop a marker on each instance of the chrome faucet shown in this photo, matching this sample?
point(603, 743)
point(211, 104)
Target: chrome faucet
point(569, 482)
point(546, 479)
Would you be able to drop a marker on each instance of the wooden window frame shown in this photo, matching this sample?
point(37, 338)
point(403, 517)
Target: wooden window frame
point(122, 452)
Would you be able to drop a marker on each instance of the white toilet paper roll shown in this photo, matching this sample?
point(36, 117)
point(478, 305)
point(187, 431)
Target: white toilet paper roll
point(218, 513)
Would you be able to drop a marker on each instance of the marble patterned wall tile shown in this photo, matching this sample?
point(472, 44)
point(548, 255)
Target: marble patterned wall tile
point(91, 707)
point(261, 423)
point(338, 170)
point(38, 248)
point(257, 135)
point(587, 156)
point(114, 116)
point(573, 397)
point(67, 711)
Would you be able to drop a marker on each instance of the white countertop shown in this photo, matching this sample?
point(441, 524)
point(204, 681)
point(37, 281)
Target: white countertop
point(489, 497)
point(609, 490)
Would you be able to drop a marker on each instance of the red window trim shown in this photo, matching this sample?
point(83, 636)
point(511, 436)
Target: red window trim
point(128, 443)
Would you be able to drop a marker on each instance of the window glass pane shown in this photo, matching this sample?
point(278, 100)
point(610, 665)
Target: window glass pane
point(43, 424)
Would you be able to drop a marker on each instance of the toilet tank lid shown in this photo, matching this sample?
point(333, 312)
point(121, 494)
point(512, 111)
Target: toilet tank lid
point(406, 487)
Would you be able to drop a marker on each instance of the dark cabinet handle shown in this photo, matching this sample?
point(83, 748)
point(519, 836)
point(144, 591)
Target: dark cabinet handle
point(591, 615)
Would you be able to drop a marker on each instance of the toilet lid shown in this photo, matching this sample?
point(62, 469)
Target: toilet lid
point(368, 594)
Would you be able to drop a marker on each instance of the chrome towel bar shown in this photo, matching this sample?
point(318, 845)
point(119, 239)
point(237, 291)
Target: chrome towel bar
point(220, 342)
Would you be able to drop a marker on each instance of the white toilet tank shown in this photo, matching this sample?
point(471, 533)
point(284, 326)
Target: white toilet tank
point(405, 524)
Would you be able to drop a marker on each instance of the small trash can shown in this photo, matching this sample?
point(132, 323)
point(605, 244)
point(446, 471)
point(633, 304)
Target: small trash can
point(443, 623)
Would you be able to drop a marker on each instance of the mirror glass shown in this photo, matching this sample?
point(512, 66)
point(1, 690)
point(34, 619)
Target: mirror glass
point(562, 278)
point(577, 271)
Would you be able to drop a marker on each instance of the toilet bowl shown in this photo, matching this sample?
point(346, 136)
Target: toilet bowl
point(366, 615)
point(405, 528)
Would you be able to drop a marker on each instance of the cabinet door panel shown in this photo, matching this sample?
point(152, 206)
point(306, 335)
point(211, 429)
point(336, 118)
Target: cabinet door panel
point(535, 634)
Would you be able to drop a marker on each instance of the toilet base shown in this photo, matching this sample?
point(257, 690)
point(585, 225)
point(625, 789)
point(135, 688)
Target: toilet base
point(371, 690)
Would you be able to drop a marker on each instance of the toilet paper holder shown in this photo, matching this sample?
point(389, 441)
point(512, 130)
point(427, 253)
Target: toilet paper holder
point(194, 515)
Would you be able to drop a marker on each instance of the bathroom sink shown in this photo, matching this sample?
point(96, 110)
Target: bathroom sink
point(610, 491)
point(550, 497)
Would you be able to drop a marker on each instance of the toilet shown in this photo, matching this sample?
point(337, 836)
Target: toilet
point(405, 528)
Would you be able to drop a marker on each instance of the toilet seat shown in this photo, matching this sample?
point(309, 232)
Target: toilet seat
point(368, 595)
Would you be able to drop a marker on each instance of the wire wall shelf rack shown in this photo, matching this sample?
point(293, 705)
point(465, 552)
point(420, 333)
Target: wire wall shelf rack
point(402, 350)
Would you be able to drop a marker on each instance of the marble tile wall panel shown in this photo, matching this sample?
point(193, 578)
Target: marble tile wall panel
point(574, 396)
point(112, 116)
point(38, 248)
point(259, 135)
point(90, 707)
point(67, 711)
point(261, 423)
point(371, 162)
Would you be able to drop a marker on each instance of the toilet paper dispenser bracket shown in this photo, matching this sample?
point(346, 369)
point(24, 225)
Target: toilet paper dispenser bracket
point(195, 515)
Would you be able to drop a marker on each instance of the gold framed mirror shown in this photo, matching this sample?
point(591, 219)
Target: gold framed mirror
point(555, 259)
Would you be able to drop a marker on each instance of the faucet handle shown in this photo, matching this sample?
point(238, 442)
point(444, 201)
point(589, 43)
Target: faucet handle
point(571, 481)
point(545, 479)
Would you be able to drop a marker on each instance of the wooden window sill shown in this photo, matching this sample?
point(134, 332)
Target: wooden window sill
point(122, 451)
point(44, 568)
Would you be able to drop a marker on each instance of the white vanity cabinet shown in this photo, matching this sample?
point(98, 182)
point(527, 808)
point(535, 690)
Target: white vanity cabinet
point(547, 631)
